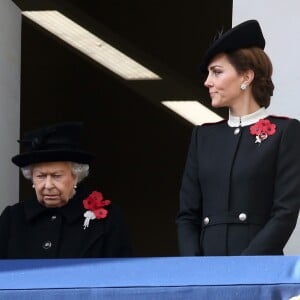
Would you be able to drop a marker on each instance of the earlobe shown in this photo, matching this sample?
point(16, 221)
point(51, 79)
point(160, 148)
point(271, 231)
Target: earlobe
point(248, 77)
point(75, 183)
point(243, 86)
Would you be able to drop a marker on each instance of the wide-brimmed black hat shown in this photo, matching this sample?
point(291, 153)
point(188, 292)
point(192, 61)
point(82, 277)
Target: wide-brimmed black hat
point(245, 35)
point(58, 142)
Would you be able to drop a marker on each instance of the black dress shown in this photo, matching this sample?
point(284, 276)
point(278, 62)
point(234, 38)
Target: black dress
point(30, 230)
point(238, 196)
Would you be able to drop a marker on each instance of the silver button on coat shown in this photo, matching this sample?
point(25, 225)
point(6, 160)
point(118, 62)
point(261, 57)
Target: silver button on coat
point(206, 221)
point(47, 245)
point(242, 217)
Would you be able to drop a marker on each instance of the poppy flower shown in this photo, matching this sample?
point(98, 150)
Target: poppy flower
point(270, 129)
point(262, 130)
point(88, 203)
point(94, 204)
point(101, 213)
point(255, 129)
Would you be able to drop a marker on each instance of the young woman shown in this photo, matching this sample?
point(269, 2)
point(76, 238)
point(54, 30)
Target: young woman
point(240, 191)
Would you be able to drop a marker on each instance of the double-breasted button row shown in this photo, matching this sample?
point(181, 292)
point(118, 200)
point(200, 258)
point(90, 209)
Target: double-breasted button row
point(242, 217)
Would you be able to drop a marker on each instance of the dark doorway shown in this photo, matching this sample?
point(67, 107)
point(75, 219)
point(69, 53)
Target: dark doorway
point(140, 146)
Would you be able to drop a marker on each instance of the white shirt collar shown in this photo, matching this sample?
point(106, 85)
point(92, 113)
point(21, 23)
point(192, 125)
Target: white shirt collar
point(234, 121)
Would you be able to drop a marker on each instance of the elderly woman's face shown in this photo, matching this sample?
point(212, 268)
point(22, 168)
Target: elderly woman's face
point(53, 183)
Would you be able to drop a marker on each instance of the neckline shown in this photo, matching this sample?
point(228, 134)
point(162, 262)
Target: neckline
point(234, 121)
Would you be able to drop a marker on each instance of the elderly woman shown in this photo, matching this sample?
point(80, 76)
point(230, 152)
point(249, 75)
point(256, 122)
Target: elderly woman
point(62, 219)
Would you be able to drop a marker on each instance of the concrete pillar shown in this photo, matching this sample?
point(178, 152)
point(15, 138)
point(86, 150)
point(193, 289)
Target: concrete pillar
point(10, 58)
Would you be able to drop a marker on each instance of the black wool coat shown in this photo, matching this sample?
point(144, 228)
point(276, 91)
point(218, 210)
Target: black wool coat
point(239, 197)
point(30, 230)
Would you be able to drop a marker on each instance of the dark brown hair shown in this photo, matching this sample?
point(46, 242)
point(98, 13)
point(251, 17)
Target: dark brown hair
point(257, 60)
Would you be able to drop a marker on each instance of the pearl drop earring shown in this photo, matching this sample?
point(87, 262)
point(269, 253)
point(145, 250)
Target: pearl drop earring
point(243, 86)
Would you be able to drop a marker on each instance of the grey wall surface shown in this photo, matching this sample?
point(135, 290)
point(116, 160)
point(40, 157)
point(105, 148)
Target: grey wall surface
point(280, 23)
point(10, 49)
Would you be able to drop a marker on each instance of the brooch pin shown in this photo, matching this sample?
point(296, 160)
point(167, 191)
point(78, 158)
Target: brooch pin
point(94, 204)
point(262, 130)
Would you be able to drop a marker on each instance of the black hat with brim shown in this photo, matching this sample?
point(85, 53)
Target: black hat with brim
point(59, 142)
point(34, 157)
point(245, 35)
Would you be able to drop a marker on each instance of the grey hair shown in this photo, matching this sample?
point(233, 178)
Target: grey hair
point(79, 170)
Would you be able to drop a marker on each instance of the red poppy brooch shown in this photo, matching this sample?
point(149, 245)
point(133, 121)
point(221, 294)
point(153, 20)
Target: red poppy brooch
point(94, 204)
point(262, 129)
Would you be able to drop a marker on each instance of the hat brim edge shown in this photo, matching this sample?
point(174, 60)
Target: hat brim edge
point(26, 159)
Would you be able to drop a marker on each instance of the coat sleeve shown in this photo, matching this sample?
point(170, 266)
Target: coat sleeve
point(117, 241)
point(4, 232)
point(286, 203)
point(190, 206)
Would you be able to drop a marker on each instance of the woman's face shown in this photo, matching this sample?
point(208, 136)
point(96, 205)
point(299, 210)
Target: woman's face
point(223, 82)
point(53, 183)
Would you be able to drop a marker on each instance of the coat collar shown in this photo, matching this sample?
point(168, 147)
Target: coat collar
point(71, 211)
point(234, 121)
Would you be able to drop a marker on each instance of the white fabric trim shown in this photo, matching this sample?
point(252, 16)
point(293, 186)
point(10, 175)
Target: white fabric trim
point(234, 121)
